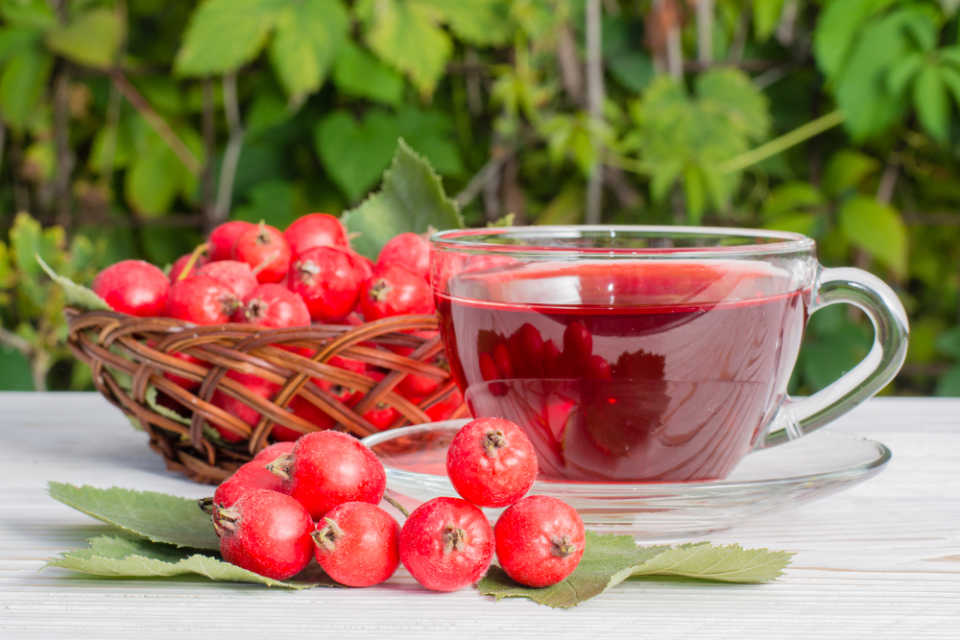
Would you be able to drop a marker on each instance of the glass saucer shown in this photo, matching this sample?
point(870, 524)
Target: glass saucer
point(767, 480)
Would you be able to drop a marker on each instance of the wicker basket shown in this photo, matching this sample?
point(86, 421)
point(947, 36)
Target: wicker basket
point(129, 357)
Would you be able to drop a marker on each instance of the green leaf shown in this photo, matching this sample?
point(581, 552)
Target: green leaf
point(903, 72)
point(359, 74)
point(932, 105)
point(407, 37)
point(155, 516)
point(634, 70)
point(949, 383)
point(273, 201)
point(846, 169)
point(790, 198)
point(117, 556)
point(766, 16)
point(951, 78)
point(411, 198)
point(77, 295)
point(695, 194)
point(948, 342)
point(727, 563)
point(608, 560)
point(34, 14)
point(22, 84)
point(430, 132)
point(877, 228)
point(307, 38)
point(479, 22)
point(837, 29)
point(27, 241)
point(225, 34)
point(151, 184)
point(805, 223)
point(91, 39)
point(355, 153)
point(733, 95)
point(14, 40)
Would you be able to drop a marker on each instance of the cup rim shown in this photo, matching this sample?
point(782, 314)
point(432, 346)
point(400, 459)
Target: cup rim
point(478, 241)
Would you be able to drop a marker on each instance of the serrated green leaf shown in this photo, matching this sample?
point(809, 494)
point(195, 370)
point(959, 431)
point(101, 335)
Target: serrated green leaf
point(766, 16)
point(877, 228)
point(126, 557)
point(225, 34)
point(22, 84)
point(359, 74)
point(407, 37)
point(727, 563)
point(91, 39)
point(837, 29)
point(846, 169)
point(155, 516)
point(411, 198)
point(308, 35)
point(931, 103)
point(77, 295)
point(353, 152)
point(607, 561)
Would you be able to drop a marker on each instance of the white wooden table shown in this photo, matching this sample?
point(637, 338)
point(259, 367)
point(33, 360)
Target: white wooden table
point(881, 560)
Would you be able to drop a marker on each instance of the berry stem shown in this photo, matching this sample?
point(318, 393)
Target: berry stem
point(206, 505)
point(282, 466)
point(561, 547)
point(396, 505)
point(454, 539)
point(492, 442)
point(328, 535)
point(187, 268)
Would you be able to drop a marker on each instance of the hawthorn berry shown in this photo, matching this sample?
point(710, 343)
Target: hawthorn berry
point(265, 249)
point(266, 532)
point(408, 250)
point(328, 468)
point(224, 237)
point(540, 540)
point(201, 299)
point(443, 409)
point(238, 276)
point(328, 279)
point(392, 291)
point(133, 286)
point(271, 452)
point(176, 270)
point(236, 407)
point(274, 306)
point(491, 462)
point(356, 544)
point(315, 230)
point(446, 544)
point(247, 478)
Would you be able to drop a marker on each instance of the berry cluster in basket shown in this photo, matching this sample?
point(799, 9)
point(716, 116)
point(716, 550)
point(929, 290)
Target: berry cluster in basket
point(256, 274)
point(318, 497)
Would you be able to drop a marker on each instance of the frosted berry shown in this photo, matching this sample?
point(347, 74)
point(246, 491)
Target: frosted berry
point(238, 276)
point(315, 230)
point(133, 286)
point(328, 279)
point(491, 462)
point(446, 544)
point(246, 479)
point(265, 532)
point(270, 453)
point(266, 251)
point(274, 306)
point(328, 468)
point(393, 291)
point(224, 237)
point(356, 544)
point(201, 299)
point(176, 270)
point(408, 250)
point(540, 540)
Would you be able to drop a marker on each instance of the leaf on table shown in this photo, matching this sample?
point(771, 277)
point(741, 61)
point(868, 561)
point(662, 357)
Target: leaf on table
point(607, 561)
point(411, 199)
point(126, 557)
point(77, 295)
point(156, 516)
point(727, 563)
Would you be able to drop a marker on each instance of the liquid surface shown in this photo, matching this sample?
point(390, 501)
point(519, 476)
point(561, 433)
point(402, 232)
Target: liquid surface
point(627, 371)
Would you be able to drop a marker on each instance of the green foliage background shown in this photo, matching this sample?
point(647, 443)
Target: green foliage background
point(131, 127)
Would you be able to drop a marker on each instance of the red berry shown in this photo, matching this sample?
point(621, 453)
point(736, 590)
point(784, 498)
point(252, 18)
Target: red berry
point(223, 238)
point(329, 280)
point(444, 409)
point(394, 291)
point(577, 343)
point(274, 306)
point(270, 453)
point(201, 299)
point(408, 250)
point(446, 544)
point(491, 462)
point(364, 264)
point(133, 286)
point(181, 263)
point(266, 532)
point(303, 408)
point(186, 383)
point(315, 230)
point(266, 251)
point(356, 544)
point(539, 540)
point(328, 468)
point(238, 276)
point(249, 477)
point(239, 408)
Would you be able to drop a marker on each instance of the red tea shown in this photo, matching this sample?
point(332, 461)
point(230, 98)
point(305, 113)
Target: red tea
point(653, 371)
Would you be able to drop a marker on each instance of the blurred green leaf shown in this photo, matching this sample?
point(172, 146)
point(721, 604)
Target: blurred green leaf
point(76, 295)
point(355, 153)
point(766, 16)
point(267, 110)
point(931, 103)
point(923, 340)
point(411, 198)
point(406, 36)
point(904, 72)
point(877, 228)
point(272, 201)
point(359, 74)
point(732, 95)
point(13, 40)
point(949, 383)
point(14, 370)
point(91, 38)
point(791, 197)
point(151, 184)
point(22, 84)
point(846, 169)
point(224, 35)
point(308, 35)
point(430, 132)
point(478, 22)
point(949, 342)
point(829, 354)
point(805, 223)
point(565, 208)
point(838, 28)
point(34, 14)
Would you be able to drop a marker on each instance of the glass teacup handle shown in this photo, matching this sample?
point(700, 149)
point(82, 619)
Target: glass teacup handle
point(800, 416)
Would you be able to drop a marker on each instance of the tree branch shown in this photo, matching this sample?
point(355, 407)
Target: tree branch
point(63, 167)
point(595, 96)
point(570, 71)
point(231, 156)
point(482, 177)
point(156, 122)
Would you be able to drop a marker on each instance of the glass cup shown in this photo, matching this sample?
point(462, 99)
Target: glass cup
point(634, 353)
